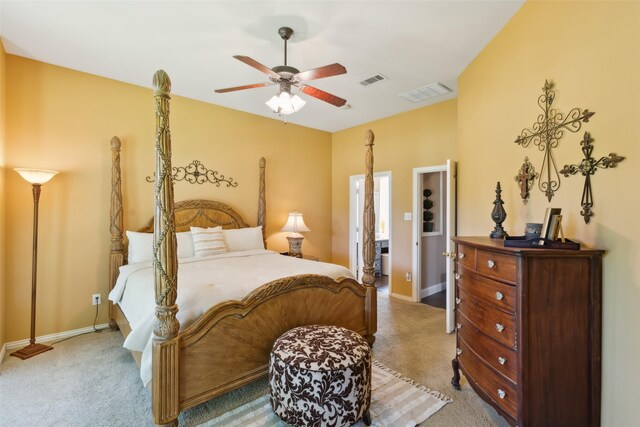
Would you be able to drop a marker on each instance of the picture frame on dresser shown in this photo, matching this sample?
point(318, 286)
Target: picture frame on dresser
point(546, 232)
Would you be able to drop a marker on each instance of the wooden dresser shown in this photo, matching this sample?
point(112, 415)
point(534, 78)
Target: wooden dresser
point(528, 325)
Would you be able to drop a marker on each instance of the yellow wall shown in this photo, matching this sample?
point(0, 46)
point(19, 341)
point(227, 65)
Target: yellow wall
point(63, 119)
point(590, 50)
point(423, 137)
point(3, 92)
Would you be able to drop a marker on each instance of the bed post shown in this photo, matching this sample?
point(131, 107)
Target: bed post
point(369, 244)
point(262, 203)
point(116, 257)
point(164, 382)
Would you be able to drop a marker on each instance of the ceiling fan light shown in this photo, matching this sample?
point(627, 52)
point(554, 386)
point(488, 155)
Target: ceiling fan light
point(297, 103)
point(285, 103)
point(273, 103)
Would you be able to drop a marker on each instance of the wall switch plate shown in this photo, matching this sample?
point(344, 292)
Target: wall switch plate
point(407, 216)
point(96, 299)
point(407, 276)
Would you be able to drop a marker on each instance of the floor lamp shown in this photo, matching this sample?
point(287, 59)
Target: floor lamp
point(36, 177)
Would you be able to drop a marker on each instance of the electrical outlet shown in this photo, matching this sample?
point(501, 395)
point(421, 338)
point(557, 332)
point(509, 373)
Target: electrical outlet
point(407, 276)
point(96, 299)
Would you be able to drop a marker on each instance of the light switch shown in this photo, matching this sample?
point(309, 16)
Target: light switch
point(407, 216)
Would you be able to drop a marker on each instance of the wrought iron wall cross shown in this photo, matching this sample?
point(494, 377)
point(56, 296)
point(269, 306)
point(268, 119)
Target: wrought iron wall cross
point(546, 134)
point(525, 177)
point(588, 167)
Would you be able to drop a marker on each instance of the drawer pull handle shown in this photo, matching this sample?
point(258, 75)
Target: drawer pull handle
point(458, 351)
point(491, 263)
point(458, 326)
point(501, 393)
point(458, 301)
point(458, 276)
point(499, 296)
point(460, 255)
point(499, 327)
point(502, 360)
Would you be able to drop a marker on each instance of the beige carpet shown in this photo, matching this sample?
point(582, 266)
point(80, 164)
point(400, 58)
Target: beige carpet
point(91, 380)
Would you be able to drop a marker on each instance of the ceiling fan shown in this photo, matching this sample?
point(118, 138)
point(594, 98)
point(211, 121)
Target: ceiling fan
point(285, 76)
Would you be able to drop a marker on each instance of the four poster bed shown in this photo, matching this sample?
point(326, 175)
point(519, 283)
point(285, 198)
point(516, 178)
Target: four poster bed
point(228, 345)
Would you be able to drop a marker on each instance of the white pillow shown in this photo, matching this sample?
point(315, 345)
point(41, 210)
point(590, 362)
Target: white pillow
point(208, 241)
point(243, 239)
point(141, 246)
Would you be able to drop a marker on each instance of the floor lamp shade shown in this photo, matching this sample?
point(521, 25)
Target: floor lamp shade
point(36, 177)
point(295, 224)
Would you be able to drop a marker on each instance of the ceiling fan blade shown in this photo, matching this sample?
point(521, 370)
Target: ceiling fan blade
point(322, 95)
point(231, 89)
point(321, 72)
point(258, 66)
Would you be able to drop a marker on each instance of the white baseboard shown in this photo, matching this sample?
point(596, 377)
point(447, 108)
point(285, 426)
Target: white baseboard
point(433, 289)
point(402, 297)
point(52, 337)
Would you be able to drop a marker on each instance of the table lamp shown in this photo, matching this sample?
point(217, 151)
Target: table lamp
point(295, 224)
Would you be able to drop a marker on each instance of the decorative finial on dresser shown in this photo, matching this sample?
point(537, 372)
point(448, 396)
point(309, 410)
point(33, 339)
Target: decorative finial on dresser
point(498, 215)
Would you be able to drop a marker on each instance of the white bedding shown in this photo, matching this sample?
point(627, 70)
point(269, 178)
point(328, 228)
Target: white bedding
point(202, 283)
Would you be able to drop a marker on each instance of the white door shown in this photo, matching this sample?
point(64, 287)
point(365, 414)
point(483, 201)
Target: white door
point(449, 171)
point(356, 210)
point(450, 231)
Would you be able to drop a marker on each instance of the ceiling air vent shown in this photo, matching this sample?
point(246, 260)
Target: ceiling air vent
point(426, 92)
point(374, 79)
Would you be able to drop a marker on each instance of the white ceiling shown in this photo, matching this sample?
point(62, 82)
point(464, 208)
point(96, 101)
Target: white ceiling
point(413, 43)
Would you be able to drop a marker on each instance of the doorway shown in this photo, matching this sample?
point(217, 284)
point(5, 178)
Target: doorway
point(382, 209)
point(434, 224)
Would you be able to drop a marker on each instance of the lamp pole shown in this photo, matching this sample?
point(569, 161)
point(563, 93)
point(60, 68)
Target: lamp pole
point(34, 262)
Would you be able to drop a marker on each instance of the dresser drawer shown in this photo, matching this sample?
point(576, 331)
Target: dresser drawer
point(492, 292)
point(499, 357)
point(499, 389)
point(495, 264)
point(466, 256)
point(494, 323)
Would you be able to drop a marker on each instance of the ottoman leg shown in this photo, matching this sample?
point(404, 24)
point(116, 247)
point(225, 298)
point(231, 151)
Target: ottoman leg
point(367, 418)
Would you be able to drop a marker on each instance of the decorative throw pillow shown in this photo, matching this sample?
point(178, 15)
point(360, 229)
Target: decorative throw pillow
point(243, 239)
point(208, 241)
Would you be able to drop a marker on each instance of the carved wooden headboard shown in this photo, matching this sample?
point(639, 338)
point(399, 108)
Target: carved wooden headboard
point(202, 213)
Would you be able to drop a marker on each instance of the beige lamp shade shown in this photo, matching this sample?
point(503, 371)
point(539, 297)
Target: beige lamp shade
point(295, 224)
point(36, 176)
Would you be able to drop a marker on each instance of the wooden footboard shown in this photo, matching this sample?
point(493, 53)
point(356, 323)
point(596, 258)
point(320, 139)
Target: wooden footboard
point(229, 346)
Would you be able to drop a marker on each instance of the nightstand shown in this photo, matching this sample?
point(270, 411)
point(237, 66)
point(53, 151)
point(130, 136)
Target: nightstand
point(309, 257)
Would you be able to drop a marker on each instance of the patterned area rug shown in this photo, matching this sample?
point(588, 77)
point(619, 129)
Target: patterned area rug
point(395, 400)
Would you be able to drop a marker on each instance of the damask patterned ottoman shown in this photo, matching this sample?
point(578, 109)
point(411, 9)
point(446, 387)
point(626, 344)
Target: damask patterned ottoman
point(320, 376)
